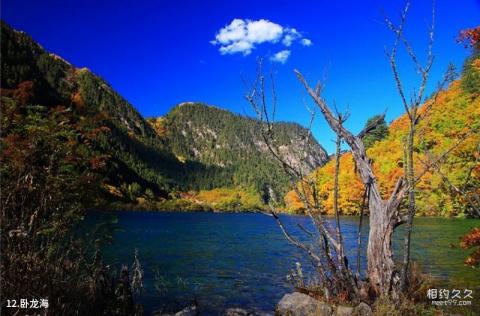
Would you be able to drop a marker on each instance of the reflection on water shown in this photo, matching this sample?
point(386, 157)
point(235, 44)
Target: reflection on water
point(241, 260)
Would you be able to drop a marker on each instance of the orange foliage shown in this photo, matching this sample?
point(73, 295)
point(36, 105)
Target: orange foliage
point(78, 100)
point(158, 125)
point(454, 115)
point(22, 94)
point(471, 37)
point(472, 240)
point(98, 162)
point(350, 188)
point(113, 190)
point(293, 202)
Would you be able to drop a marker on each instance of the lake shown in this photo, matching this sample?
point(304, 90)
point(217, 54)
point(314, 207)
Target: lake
point(227, 260)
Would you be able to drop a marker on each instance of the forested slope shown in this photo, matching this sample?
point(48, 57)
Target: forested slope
point(454, 117)
point(231, 146)
point(195, 147)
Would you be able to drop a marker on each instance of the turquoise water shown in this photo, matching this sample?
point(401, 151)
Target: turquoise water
point(242, 259)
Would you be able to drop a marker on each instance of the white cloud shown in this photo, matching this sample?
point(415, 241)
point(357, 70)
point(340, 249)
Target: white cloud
point(263, 31)
point(243, 35)
point(281, 56)
point(230, 33)
point(291, 35)
point(306, 42)
point(237, 47)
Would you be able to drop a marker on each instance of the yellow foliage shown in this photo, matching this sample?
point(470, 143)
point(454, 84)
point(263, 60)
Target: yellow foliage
point(293, 202)
point(113, 190)
point(476, 64)
point(141, 200)
point(350, 188)
point(182, 159)
point(158, 125)
point(454, 115)
point(230, 199)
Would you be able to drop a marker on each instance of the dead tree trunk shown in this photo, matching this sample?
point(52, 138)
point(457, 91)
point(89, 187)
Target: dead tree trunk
point(410, 175)
point(380, 265)
point(414, 117)
point(384, 215)
point(338, 142)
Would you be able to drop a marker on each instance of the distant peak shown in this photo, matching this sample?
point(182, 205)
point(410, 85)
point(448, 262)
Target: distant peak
point(186, 103)
point(202, 105)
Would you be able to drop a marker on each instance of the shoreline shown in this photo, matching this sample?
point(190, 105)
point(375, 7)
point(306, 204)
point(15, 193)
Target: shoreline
point(136, 208)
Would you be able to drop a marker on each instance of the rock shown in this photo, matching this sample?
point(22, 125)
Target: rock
point(236, 312)
point(344, 311)
point(262, 313)
point(298, 304)
point(244, 312)
point(362, 310)
point(188, 311)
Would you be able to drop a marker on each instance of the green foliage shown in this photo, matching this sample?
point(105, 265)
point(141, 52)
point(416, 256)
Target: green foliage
point(149, 193)
point(51, 170)
point(134, 191)
point(471, 74)
point(218, 200)
point(136, 153)
point(376, 134)
point(234, 199)
point(230, 149)
point(52, 164)
point(196, 147)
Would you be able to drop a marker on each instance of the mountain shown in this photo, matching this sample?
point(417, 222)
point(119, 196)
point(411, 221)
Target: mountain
point(232, 143)
point(449, 188)
point(194, 147)
point(135, 152)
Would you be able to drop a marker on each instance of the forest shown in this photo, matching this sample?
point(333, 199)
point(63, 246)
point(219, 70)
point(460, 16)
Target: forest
point(445, 191)
point(71, 145)
point(150, 163)
point(149, 160)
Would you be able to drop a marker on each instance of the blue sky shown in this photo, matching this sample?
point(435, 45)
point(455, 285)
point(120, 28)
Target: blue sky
point(160, 53)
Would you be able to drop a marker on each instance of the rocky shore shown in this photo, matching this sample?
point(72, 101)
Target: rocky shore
point(293, 304)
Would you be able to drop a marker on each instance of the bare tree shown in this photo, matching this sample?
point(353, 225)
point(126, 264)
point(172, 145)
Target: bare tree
point(327, 252)
point(341, 118)
point(411, 107)
point(412, 112)
point(385, 213)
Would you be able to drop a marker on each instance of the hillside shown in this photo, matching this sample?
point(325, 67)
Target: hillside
point(195, 147)
point(135, 153)
point(232, 147)
point(455, 115)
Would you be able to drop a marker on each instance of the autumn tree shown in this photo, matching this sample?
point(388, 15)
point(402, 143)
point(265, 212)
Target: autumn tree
point(50, 172)
point(471, 82)
point(472, 241)
point(385, 212)
point(471, 39)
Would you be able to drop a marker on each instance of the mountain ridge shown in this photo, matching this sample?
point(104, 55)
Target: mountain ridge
point(142, 162)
